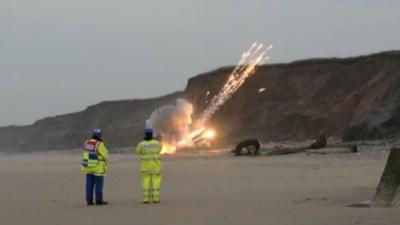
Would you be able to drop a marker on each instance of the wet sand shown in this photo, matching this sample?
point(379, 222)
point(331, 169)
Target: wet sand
point(301, 189)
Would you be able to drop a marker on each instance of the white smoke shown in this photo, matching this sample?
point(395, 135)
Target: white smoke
point(172, 122)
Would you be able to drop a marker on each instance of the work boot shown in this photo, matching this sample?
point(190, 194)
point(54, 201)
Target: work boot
point(102, 203)
point(156, 201)
point(146, 202)
point(89, 203)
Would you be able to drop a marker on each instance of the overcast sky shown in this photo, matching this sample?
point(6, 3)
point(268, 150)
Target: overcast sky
point(59, 56)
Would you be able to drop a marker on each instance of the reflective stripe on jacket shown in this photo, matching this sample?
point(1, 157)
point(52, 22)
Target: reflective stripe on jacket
point(94, 159)
point(149, 151)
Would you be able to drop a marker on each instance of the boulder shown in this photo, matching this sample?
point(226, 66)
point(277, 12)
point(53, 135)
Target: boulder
point(321, 142)
point(388, 191)
point(249, 146)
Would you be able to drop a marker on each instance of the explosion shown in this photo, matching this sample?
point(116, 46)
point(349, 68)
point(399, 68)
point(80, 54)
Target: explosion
point(173, 123)
point(168, 149)
point(209, 134)
point(253, 57)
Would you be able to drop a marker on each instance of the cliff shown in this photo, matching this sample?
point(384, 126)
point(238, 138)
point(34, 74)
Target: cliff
point(355, 98)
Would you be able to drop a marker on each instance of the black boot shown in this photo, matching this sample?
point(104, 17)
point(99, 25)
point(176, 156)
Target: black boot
point(102, 203)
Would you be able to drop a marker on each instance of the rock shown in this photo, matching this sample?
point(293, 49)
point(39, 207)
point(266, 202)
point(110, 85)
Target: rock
point(321, 142)
point(388, 191)
point(250, 146)
point(333, 150)
point(354, 149)
point(363, 204)
point(286, 151)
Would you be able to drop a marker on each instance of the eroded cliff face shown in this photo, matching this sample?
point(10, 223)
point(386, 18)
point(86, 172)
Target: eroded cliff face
point(121, 121)
point(357, 98)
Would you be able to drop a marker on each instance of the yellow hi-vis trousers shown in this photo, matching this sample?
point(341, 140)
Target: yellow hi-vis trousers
point(151, 187)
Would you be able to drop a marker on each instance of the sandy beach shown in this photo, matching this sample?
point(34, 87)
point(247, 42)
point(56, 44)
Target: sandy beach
point(48, 189)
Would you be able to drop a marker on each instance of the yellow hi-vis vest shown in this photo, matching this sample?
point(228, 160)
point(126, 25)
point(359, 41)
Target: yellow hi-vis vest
point(94, 159)
point(149, 151)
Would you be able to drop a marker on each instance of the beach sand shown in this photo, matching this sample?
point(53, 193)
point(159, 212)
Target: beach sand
point(48, 189)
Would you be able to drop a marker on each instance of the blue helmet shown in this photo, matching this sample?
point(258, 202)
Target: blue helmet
point(97, 133)
point(148, 130)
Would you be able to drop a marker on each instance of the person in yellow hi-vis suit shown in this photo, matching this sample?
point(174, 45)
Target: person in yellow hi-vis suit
point(150, 167)
point(94, 165)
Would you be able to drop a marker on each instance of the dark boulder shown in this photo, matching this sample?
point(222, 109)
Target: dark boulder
point(321, 142)
point(249, 146)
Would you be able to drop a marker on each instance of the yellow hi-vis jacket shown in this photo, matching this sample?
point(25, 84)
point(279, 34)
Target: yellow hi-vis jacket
point(149, 151)
point(95, 157)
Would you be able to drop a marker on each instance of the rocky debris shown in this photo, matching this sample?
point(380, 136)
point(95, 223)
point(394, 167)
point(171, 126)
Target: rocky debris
point(332, 150)
point(388, 191)
point(305, 147)
point(285, 151)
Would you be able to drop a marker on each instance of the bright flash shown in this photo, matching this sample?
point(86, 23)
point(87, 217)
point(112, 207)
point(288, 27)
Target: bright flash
point(209, 134)
point(168, 149)
point(202, 135)
point(261, 90)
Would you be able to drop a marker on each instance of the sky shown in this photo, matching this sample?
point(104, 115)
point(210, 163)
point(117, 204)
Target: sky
point(59, 56)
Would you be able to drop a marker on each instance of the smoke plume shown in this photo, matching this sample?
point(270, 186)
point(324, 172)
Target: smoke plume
point(172, 122)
